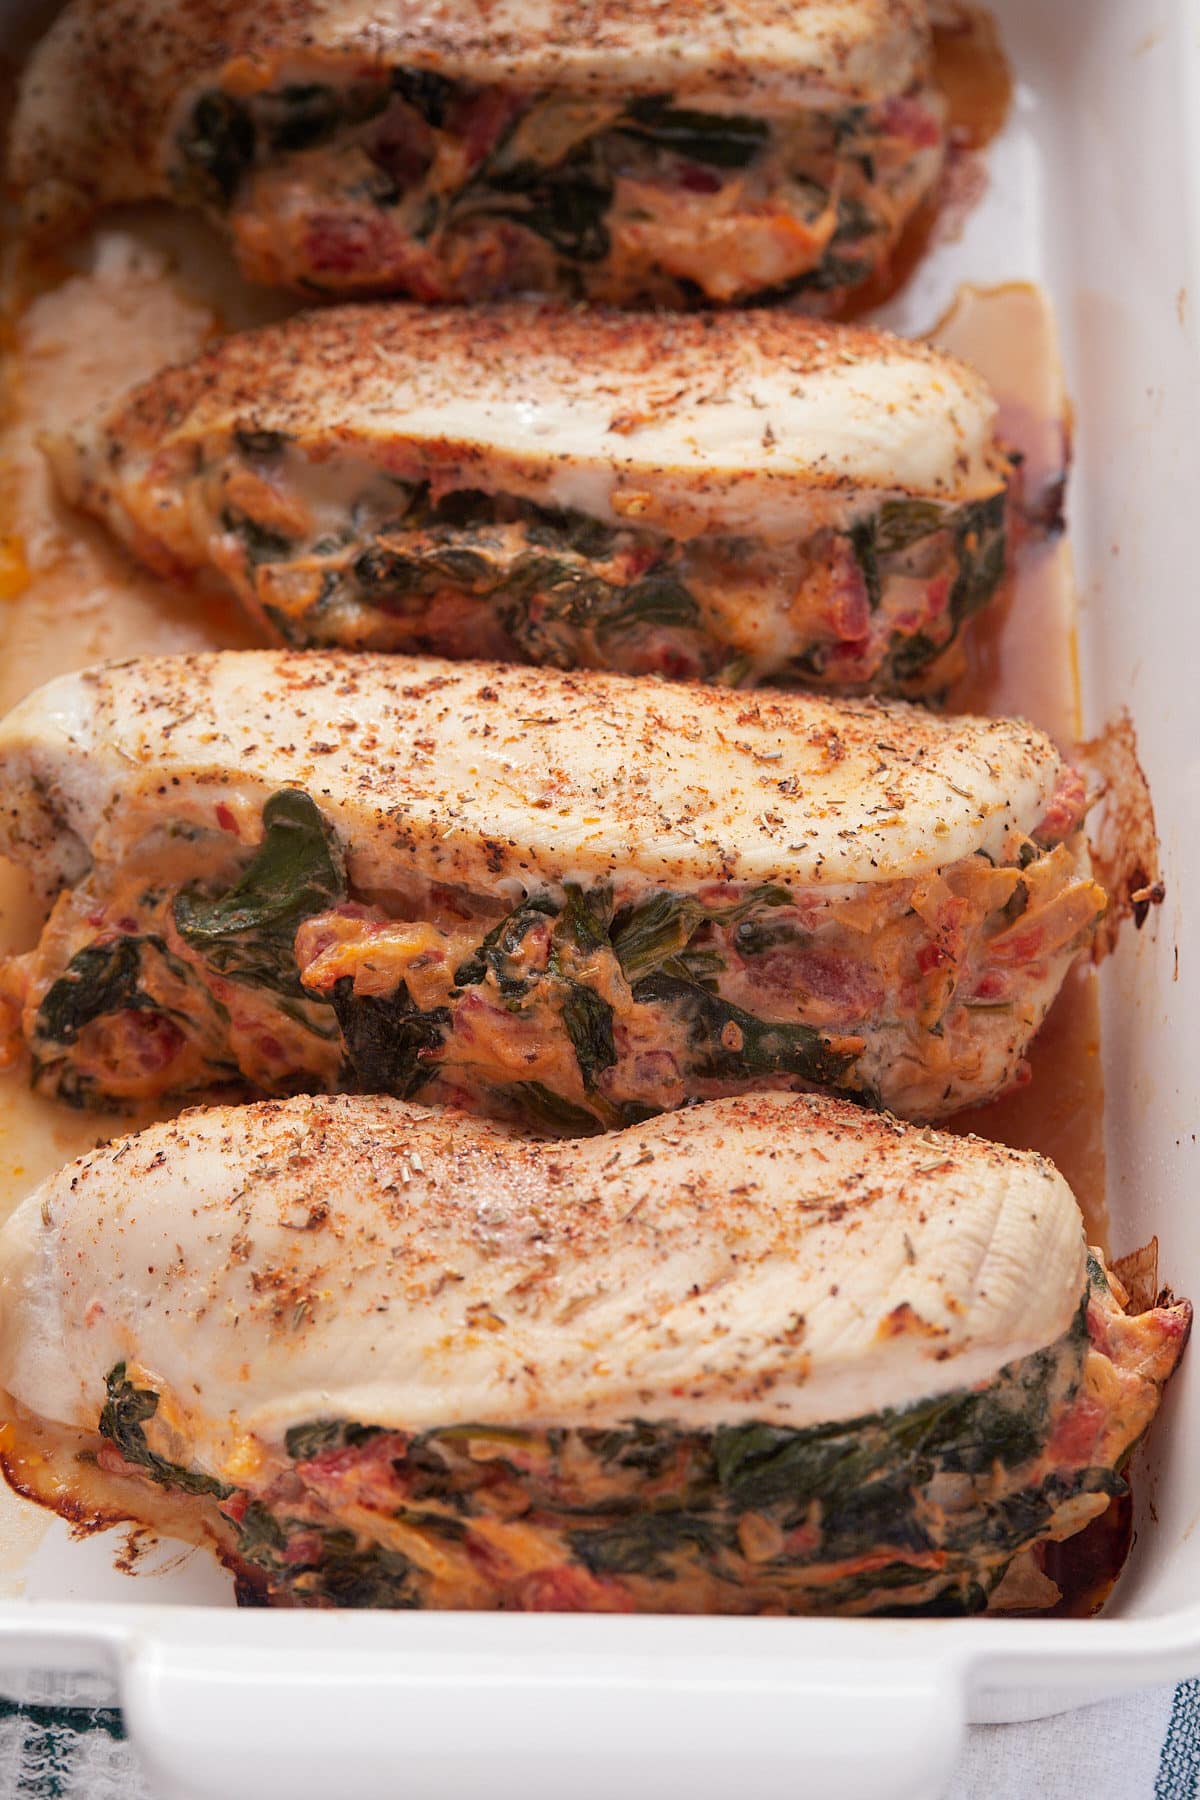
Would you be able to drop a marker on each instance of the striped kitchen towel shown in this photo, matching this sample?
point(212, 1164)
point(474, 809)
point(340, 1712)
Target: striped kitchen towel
point(63, 1740)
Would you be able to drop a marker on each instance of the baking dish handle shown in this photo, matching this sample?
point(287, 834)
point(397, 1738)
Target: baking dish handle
point(223, 1723)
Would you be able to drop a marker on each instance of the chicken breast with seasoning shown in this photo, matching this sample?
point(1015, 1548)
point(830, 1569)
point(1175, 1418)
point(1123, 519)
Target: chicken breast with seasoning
point(677, 151)
point(772, 1353)
point(748, 498)
point(567, 899)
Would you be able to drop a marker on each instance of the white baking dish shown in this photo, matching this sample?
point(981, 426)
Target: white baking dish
point(1094, 194)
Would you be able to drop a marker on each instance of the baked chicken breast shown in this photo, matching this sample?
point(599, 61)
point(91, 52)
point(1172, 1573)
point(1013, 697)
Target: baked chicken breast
point(755, 497)
point(772, 1353)
point(677, 150)
point(571, 899)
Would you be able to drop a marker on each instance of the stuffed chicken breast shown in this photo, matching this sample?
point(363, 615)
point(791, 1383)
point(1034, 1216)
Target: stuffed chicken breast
point(717, 152)
point(573, 899)
point(770, 1353)
point(749, 498)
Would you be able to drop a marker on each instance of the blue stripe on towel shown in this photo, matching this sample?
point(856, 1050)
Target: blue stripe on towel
point(1179, 1765)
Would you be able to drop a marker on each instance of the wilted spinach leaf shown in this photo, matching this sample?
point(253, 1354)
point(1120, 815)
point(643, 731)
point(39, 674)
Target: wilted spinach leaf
point(256, 441)
point(583, 922)
point(217, 145)
point(582, 930)
point(249, 932)
point(363, 1576)
point(262, 544)
point(980, 540)
point(730, 1044)
point(308, 1440)
point(565, 205)
point(588, 1022)
point(900, 523)
point(654, 930)
point(643, 1543)
point(502, 943)
point(425, 91)
point(99, 979)
point(390, 1043)
point(725, 140)
point(301, 114)
point(122, 1418)
point(549, 1111)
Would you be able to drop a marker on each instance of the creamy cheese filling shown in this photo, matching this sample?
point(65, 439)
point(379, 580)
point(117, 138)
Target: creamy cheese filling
point(450, 190)
point(193, 966)
point(336, 552)
point(917, 995)
point(921, 1508)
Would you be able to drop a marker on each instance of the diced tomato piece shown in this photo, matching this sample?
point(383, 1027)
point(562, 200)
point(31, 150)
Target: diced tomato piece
point(908, 118)
point(109, 1458)
point(845, 989)
point(698, 180)
point(672, 661)
point(1020, 947)
point(1068, 803)
point(850, 607)
point(357, 1465)
point(351, 243)
point(152, 1039)
point(402, 144)
point(567, 1589)
point(491, 111)
point(340, 243)
point(1076, 1432)
point(304, 1550)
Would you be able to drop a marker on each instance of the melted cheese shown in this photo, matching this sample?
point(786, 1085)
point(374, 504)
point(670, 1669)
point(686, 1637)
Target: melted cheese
point(777, 1258)
point(504, 779)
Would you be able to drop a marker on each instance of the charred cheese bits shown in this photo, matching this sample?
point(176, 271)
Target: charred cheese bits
point(567, 899)
point(754, 497)
point(385, 1356)
point(678, 151)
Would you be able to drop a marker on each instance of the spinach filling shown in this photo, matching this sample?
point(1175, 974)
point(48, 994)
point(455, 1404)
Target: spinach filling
point(123, 1421)
point(657, 950)
point(224, 137)
point(567, 206)
point(134, 973)
point(569, 589)
point(754, 1507)
point(394, 1047)
point(245, 935)
point(549, 596)
point(657, 947)
point(565, 196)
point(980, 549)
